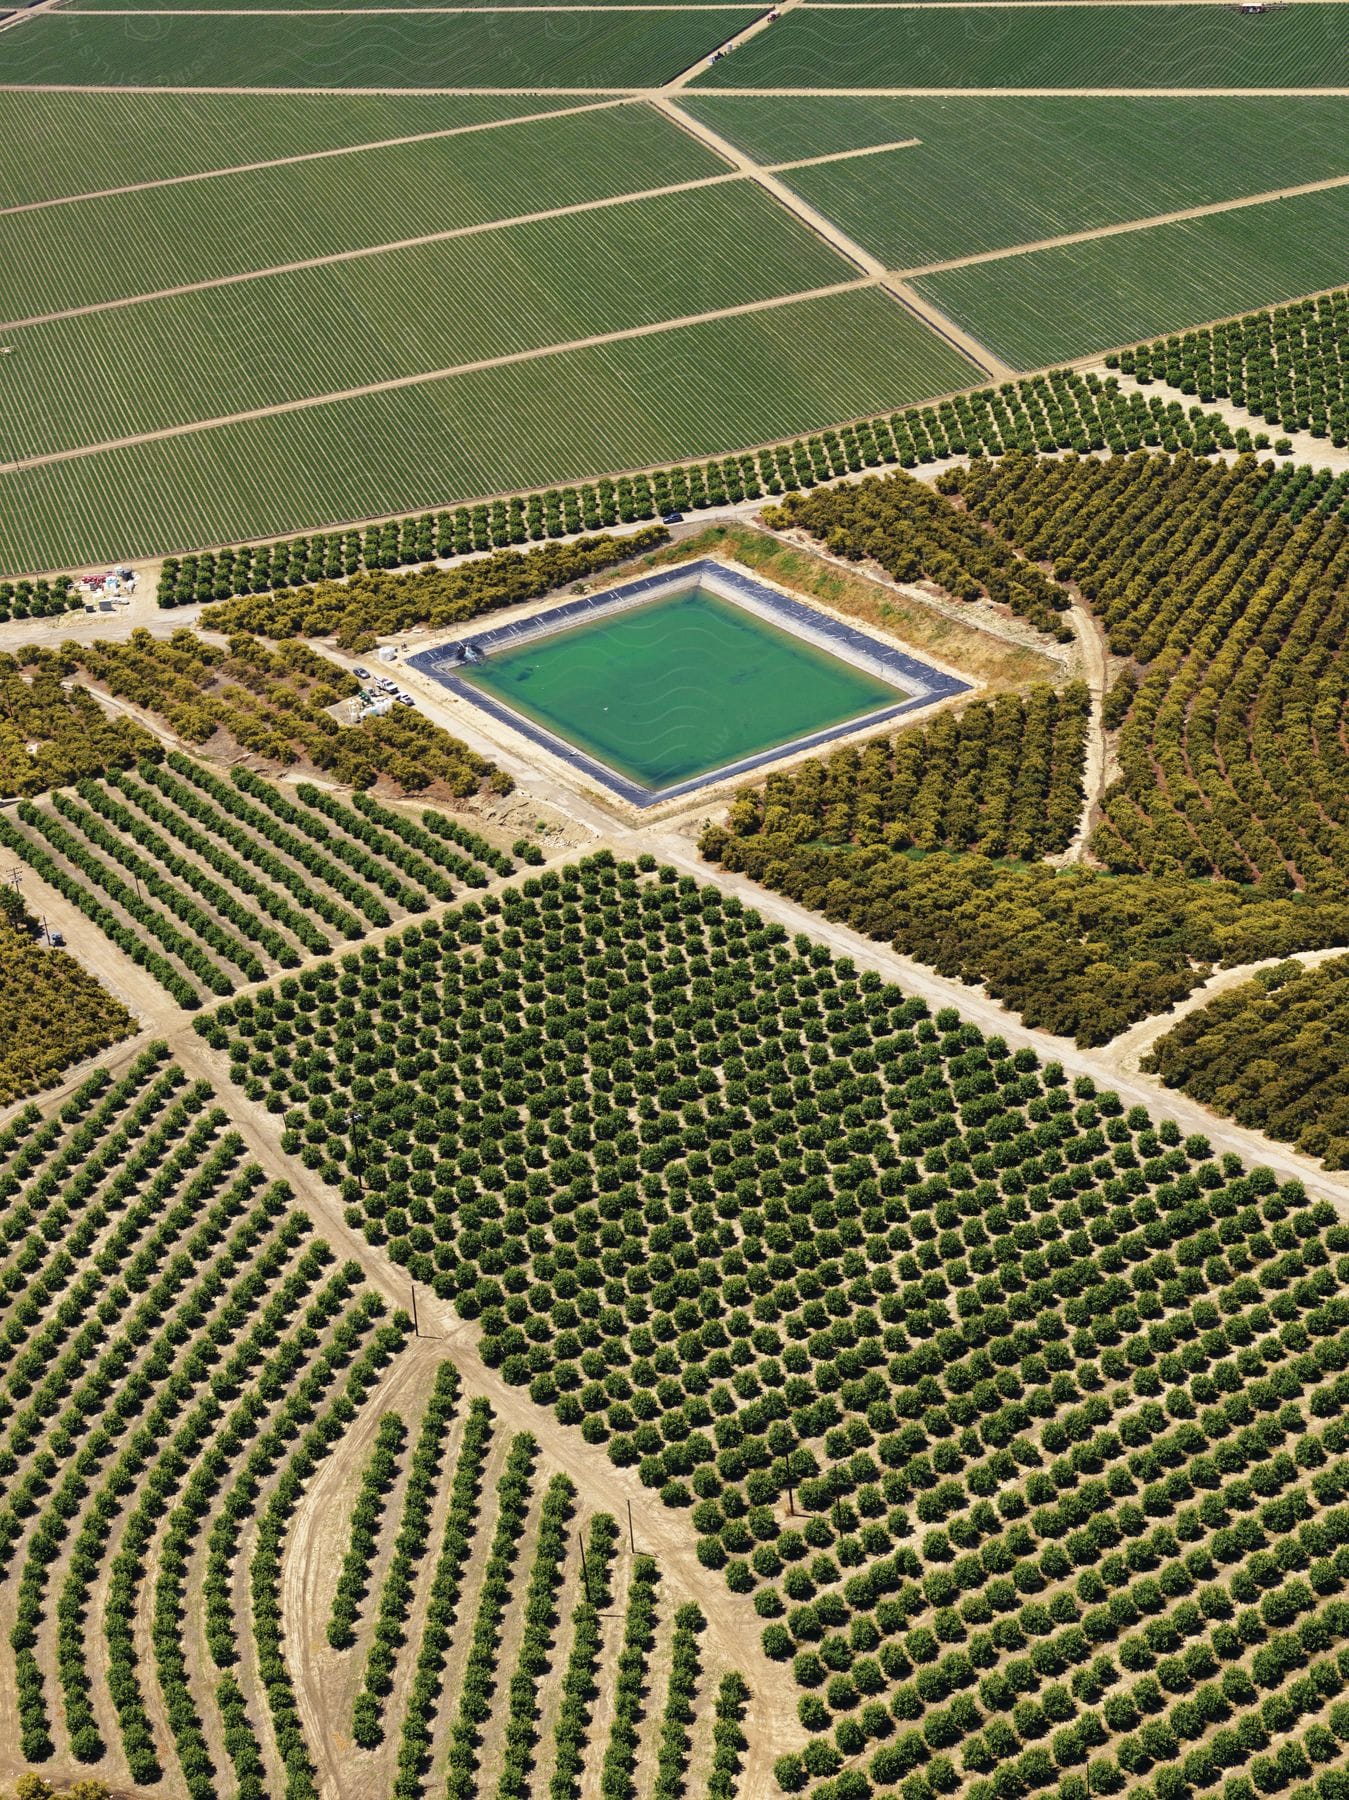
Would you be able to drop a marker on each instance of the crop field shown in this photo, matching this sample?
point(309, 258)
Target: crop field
point(207, 883)
point(338, 282)
point(1054, 305)
point(241, 223)
point(1017, 1421)
point(1047, 46)
point(1029, 169)
point(60, 144)
point(431, 307)
point(592, 49)
point(649, 399)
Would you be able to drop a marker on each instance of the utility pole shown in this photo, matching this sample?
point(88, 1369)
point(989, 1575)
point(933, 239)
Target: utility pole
point(585, 1572)
point(632, 1541)
point(416, 1332)
point(791, 1503)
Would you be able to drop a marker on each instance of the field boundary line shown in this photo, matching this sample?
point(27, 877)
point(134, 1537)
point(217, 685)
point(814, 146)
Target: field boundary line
point(747, 169)
point(413, 137)
point(617, 91)
point(307, 401)
point(363, 12)
point(753, 29)
point(984, 360)
point(304, 156)
point(1179, 217)
point(25, 13)
point(833, 156)
point(715, 91)
point(988, 363)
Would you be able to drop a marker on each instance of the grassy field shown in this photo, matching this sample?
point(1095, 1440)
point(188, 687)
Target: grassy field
point(53, 258)
point(1057, 47)
point(1054, 305)
point(689, 392)
point(222, 350)
point(59, 144)
point(990, 173)
point(590, 49)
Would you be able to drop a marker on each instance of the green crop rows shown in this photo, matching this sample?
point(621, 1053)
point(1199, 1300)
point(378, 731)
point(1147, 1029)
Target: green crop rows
point(59, 144)
point(649, 400)
point(592, 49)
point(1059, 1399)
point(1058, 47)
point(1052, 305)
point(259, 219)
point(1023, 170)
point(431, 307)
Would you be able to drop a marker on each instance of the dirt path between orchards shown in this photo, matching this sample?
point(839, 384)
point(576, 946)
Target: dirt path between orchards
point(1107, 1065)
point(1093, 652)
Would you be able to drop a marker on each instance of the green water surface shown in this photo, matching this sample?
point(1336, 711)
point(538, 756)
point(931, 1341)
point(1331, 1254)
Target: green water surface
point(679, 686)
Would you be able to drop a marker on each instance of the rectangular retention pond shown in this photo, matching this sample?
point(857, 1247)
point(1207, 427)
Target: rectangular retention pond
point(661, 686)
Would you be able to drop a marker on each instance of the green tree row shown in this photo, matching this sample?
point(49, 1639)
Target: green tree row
point(1271, 1054)
point(1288, 364)
point(1003, 777)
point(1236, 615)
point(1062, 410)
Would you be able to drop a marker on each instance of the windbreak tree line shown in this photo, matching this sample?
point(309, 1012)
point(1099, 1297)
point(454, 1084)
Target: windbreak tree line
point(1271, 1054)
point(1055, 1400)
point(1003, 777)
point(375, 604)
point(1062, 410)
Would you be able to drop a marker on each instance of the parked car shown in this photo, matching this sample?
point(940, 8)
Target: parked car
point(406, 700)
point(360, 673)
point(672, 518)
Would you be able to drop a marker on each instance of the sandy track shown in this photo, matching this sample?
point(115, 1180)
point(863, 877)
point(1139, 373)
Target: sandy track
point(719, 92)
point(745, 166)
point(362, 251)
point(1092, 650)
point(1131, 1046)
point(743, 170)
point(327, 1680)
point(944, 326)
